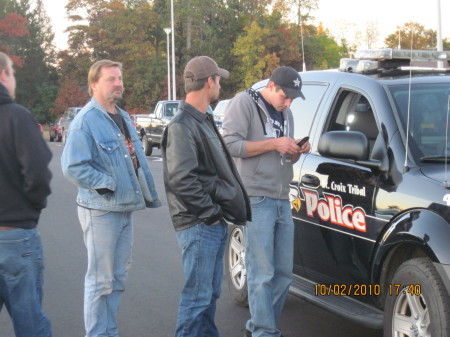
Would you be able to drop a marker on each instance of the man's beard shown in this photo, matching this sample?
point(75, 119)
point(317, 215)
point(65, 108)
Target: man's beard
point(116, 98)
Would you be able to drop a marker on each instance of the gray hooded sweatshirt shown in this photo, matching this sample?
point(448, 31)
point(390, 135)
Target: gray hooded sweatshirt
point(265, 175)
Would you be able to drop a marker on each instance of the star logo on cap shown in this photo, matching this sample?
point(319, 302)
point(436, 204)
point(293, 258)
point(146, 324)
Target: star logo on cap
point(297, 82)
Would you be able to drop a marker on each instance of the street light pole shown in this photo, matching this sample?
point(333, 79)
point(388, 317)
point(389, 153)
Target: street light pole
point(168, 30)
point(439, 46)
point(174, 84)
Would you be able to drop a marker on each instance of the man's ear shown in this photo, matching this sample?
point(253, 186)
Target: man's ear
point(3, 75)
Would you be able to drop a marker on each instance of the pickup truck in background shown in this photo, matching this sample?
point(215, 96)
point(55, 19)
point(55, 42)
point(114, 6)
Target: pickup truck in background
point(371, 202)
point(150, 127)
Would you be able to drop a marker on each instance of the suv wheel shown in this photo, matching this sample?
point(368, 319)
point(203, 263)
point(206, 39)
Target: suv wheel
point(148, 146)
point(236, 272)
point(422, 308)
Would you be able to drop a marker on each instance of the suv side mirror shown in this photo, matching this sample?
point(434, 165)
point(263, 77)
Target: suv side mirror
point(344, 145)
point(350, 145)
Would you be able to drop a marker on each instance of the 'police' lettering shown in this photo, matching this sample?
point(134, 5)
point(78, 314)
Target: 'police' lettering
point(330, 209)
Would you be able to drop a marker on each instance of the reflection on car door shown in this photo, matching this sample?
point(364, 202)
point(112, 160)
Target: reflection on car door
point(335, 206)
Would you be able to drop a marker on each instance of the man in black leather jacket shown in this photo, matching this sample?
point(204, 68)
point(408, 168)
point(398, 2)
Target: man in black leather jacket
point(203, 188)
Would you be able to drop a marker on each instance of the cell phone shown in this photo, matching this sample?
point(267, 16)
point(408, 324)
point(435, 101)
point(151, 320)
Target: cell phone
point(303, 141)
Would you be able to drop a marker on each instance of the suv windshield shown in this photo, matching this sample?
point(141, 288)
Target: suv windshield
point(429, 113)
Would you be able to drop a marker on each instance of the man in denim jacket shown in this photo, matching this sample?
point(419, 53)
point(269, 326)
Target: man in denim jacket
point(104, 158)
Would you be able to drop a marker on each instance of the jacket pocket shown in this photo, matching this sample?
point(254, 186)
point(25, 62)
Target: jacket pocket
point(110, 146)
point(110, 149)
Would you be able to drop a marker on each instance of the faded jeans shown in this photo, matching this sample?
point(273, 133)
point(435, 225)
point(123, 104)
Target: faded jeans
point(269, 254)
point(21, 282)
point(202, 254)
point(108, 237)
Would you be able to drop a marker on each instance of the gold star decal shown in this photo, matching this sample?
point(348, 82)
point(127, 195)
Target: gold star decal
point(297, 204)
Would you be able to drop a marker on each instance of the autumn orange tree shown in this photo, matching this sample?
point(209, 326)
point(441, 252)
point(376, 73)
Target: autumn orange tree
point(12, 26)
point(25, 35)
point(412, 35)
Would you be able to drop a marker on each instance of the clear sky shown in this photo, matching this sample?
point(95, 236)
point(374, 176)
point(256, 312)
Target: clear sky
point(334, 14)
point(388, 14)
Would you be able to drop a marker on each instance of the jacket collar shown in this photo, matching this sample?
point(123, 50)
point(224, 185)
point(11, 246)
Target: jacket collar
point(5, 98)
point(255, 97)
point(199, 116)
point(100, 107)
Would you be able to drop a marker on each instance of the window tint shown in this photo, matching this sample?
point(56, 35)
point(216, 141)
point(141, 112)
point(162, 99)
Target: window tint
point(353, 112)
point(428, 116)
point(171, 109)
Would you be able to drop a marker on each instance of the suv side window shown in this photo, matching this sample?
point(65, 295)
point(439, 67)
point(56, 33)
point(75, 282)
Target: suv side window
point(304, 111)
point(353, 112)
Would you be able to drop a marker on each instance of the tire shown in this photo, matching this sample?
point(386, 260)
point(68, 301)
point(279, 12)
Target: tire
point(426, 313)
point(148, 146)
point(235, 270)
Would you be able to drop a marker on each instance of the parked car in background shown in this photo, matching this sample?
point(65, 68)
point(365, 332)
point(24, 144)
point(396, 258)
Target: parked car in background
point(219, 113)
point(219, 110)
point(66, 119)
point(55, 130)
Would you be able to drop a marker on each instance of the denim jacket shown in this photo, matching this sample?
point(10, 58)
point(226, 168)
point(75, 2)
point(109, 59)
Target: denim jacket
point(95, 157)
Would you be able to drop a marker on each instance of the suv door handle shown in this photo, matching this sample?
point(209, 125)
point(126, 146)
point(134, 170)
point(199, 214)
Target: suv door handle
point(310, 180)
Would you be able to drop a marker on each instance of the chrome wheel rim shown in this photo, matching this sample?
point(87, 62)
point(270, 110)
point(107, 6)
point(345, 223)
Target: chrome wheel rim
point(236, 258)
point(411, 317)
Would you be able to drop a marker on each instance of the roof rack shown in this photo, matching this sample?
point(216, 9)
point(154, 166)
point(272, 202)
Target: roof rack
point(386, 60)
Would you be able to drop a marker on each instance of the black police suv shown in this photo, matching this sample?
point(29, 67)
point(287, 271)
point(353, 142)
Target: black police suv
point(371, 202)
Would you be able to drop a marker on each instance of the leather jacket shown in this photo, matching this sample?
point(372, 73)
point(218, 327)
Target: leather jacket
point(201, 180)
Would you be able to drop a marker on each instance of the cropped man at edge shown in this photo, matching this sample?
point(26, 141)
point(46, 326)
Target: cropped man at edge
point(24, 187)
point(103, 156)
point(202, 188)
point(258, 130)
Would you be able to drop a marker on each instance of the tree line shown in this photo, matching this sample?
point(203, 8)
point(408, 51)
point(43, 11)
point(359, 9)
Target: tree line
point(249, 38)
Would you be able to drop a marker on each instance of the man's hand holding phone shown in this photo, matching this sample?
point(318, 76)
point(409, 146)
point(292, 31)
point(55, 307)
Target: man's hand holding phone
point(304, 145)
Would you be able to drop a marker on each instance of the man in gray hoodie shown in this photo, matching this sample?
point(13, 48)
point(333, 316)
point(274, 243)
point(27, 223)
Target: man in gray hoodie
point(258, 131)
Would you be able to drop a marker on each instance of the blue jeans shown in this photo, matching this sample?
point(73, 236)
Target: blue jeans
point(21, 281)
point(269, 254)
point(202, 253)
point(108, 237)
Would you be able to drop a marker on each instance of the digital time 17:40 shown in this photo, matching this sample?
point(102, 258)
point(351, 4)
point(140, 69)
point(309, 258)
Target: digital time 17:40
point(398, 289)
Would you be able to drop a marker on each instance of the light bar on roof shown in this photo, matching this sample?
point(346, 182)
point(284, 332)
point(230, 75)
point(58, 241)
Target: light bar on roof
point(392, 54)
point(358, 66)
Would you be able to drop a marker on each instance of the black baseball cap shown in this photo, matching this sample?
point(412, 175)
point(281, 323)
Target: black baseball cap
point(289, 80)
